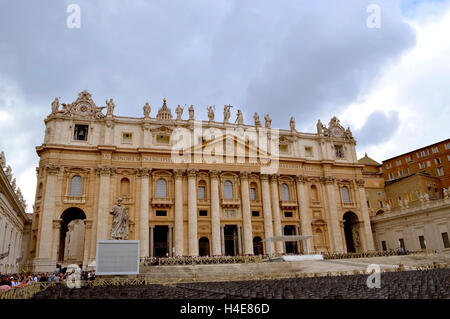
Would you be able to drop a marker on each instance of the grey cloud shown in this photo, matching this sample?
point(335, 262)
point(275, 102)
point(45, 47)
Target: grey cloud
point(379, 127)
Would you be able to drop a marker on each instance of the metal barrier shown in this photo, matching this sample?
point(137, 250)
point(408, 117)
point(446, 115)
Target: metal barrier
point(25, 292)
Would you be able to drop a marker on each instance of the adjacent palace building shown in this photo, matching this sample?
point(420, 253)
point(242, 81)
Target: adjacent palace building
point(227, 188)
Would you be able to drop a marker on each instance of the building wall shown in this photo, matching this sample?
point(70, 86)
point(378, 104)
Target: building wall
point(428, 219)
point(14, 223)
point(309, 166)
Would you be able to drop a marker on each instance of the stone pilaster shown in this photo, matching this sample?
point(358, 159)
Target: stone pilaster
point(215, 213)
point(192, 209)
point(87, 243)
point(48, 212)
point(303, 206)
point(56, 234)
point(267, 211)
point(169, 239)
point(144, 174)
point(105, 173)
point(365, 215)
point(179, 220)
point(239, 243)
point(276, 212)
point(222, 236)
point(334, 229)
point(151, 240)
point(246, 215)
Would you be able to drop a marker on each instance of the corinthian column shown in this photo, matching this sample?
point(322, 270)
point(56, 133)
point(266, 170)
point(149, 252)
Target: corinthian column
point(48, 214)
point(105, 173)
point(334, 228)
point(192, 220)
point(179, 221)
point(246, 215)
point(143, 219)
point(267, 211)
point(215, 213)
point(276, 212)
point(365, 215)
point(304, 212)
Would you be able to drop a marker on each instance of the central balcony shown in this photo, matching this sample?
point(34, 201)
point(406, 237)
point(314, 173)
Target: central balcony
point(162, 202)
point(288, 204)
point(231, 202)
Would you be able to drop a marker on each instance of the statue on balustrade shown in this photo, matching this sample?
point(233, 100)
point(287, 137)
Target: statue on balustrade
point(119, 228)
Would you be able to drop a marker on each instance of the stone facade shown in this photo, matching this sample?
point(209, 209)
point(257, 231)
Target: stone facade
point(233, 185)
point(15, 223)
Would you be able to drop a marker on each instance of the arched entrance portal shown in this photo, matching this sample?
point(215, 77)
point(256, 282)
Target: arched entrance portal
point(71, 244)
point(351, 231)
point(257, 246)
point(203, 246)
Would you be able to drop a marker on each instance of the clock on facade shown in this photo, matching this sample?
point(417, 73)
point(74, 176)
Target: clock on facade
point(82, 109)
point(336, 131)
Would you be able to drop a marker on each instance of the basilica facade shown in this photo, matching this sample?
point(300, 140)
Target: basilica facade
point(193, 187)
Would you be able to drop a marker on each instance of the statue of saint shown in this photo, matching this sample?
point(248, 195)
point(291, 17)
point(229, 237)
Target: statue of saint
point(13, 184)
point(119, 228)
point(240, 118)
point(179, 112)
point(146, 109)
point(226, 113)
point(257, 121)
point(111, 106)
point(191, 112)
point(319, 127)
point(2, 160)
point(210, 113)
point(8, 173)
point(55, 105)
point(268, 121)
point(348, 133)
point(292, 124)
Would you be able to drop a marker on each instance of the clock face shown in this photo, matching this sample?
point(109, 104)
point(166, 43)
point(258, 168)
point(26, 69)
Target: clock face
point(336, 131)
point(82, 109)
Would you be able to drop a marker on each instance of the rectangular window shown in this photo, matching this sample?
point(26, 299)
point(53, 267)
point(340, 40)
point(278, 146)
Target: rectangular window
point(80, 132)
point(428, 163)
point(419, 155)
point(388, 165)
point(339, 151)
point(284, 148)
point(435, 150)
point(127, 138)
point(445, 240)
point(288, 214)
point(398, 162)
point(408, 159)
point(440, 171)
point(255, 213)
point(308, 151)
point(400, 173)
point(421, 165)
point(203, 213)
point(391, 176)
point(252, 194)
point(447, 146)
point(422, 242)
point(201, 192)
point(161, 213)
point(426, 153)
point(163, 139)
point(437, 161)
point(383, 245)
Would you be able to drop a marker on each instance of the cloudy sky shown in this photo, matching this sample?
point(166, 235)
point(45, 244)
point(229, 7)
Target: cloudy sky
point(307, 59)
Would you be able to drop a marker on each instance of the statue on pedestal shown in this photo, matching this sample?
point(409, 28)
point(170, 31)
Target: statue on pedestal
point(147, 110)
point(240, 118)
point(268, 120)
point(226, 113)
point(2, 160)
point(292, 124)
point(210, 113)
point(191, 112)
point(119, 227)
point(179, 111)
point(55, 105)
point(111, 106)
point(257, 121)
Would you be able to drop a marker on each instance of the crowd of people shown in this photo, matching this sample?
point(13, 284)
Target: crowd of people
point(8, 281)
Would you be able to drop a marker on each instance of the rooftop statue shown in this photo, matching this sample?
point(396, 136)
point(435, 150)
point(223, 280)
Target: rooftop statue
point(226, 113)
point(13, 184)
point(257, 121)
point(119, 227)
point(292, 124)
point(268, 121)
point(191, 112)
point(179, 111)
point(320, 127)
point(2, 160)
point(147, 110)
point(240, 118)
point(8, 173)
point(210, 113)
point(55, 105)
point(111, 107)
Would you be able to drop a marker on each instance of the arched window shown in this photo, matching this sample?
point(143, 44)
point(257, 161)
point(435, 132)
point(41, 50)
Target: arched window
point(125, 187)
point(161, 188)
point(253, 191)
point(345, 194)
point(285, 192)
point(201, 190)
point(75, 186)
point(228, 190)
point(314, 194)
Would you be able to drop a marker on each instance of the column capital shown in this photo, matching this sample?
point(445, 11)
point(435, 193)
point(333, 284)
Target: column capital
point(192, 172)
point(178, 172)
point(327, 180)
point(274, 178)
point(214, 173)
point(105, 170)
point(244, 175)
point(360, 182)
point(300, 179)
point(52, 168)
point(143, 171)
point(264, 177)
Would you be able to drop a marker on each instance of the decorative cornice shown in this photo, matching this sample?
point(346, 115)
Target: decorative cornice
point(244, 175)
point(264, 177)
point(274, 178)
point(301, 178)
point(327, 180)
